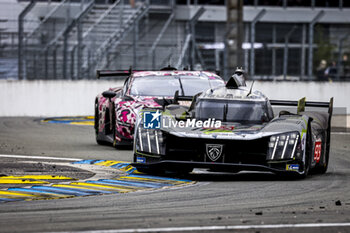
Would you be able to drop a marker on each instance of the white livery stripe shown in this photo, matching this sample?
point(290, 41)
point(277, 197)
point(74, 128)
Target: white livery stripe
point(149, 142)
point(274, 149)
point(140, 138)
point(295, 146)
point(285, 147)
point(156, 136)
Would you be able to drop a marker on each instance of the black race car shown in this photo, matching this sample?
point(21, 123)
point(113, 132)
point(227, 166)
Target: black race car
point(233, 129)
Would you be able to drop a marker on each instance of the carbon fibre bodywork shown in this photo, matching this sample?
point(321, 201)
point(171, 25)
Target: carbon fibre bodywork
point(286, 143)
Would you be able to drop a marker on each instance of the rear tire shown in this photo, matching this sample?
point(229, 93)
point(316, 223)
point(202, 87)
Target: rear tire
point(323, 168)
point(96, 125)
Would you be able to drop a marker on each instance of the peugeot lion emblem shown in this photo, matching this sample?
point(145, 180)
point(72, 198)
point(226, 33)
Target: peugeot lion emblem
point(214, 151)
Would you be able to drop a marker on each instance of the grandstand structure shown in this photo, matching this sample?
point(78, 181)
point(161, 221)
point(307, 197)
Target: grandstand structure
point(70, 39)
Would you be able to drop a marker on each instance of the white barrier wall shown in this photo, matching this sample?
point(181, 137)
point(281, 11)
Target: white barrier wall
point(72, 98)
point(51, 98)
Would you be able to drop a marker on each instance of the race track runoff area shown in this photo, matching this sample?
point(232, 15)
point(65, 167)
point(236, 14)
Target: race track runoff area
point(43, 187)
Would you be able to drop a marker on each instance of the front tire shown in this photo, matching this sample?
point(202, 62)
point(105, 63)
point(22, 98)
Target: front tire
point(308, 153)
point(96, 125)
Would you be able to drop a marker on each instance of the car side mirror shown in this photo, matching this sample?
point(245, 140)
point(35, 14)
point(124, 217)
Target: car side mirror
point(265, 118)
point(176, 97)
point(109, 94)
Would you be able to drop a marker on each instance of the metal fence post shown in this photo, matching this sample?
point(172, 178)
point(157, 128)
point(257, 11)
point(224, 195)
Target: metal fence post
point(285, 4)
point(193, 44)
point(46, 62)
point(54, 55)
point(89, 63)
point(154, 59)
point(25, 68)
point(303, 41)
point(252, 41)
point(274, 50)
point(217, 59)
point(65, 42)
point(135, 37)
point(34, 65)
point(311, 40)
point(246, 52)
point(65, 55)
point(285, 59)
point(79, 49)
point(121, 14)
point(225, 63)
point(21, 50)
point(72, 58)
point(341, 41)
point(192, 28)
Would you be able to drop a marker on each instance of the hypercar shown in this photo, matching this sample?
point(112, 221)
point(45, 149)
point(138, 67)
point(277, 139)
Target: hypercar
point(116, 108)
point(232, 128)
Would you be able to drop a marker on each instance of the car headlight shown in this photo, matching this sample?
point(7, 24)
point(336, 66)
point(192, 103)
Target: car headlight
point(284, 146)
point(150, 141)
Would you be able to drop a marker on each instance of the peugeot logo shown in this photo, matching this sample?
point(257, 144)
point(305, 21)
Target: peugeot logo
point(214, 151)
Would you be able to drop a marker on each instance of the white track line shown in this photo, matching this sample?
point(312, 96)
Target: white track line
point(38, 157)
point(341, 133)
point(214, 228)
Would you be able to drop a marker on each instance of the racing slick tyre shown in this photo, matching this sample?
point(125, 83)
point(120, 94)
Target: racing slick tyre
point(308, 153)
point(323, 168)
point(116, 143)
point(96, 125)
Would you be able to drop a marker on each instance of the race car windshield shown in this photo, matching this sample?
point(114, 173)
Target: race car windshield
point(167, 86)
point(247, 112)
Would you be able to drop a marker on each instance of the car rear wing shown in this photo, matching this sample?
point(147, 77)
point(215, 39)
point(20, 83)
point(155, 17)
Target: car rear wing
point(302, 103)
point(121, 73)
point(112, 73)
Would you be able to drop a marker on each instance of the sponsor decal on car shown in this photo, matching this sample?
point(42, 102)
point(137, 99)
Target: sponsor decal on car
point(141, 160)
point(318, 148)
point(292, 167)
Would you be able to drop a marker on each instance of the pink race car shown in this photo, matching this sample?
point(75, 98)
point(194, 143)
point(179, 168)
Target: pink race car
point(117, 108)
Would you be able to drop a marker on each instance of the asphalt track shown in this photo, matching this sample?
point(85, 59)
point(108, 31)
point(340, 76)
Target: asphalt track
point(244, 202)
